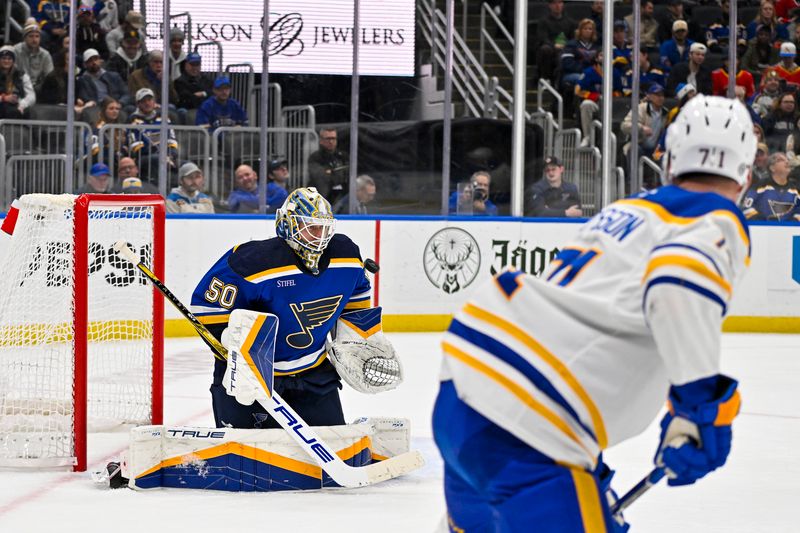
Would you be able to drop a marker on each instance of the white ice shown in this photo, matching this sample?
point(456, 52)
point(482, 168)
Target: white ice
point(757, 491)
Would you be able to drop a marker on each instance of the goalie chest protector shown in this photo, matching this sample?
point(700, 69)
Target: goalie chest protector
point(268, 276)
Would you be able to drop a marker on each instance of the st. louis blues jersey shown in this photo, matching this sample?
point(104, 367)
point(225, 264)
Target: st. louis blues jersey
point(583, 358)
point(268, 276)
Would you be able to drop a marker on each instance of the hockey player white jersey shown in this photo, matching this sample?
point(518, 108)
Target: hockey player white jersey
point(635, 303)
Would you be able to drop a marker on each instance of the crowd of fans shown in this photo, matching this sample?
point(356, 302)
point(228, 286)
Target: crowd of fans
point(682, 55)
point(119, 82)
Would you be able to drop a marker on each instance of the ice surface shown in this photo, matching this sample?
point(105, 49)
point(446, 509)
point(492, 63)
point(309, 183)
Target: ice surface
point(755, 492)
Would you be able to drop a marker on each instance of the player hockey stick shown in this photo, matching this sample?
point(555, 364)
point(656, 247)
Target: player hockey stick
point(647, 482)
point(303, 434)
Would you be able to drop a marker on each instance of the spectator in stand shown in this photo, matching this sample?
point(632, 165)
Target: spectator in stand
point(328, 167)
point(98, 181)
point(770, 90)
point(34, 60)
point(774, 198)
point(740, 93)
point(785, 8)
point(766, 16)
point(552, 33)
point(149, 77)
point(718, 32)
point(365, 194)
point(221, 110)
point(144, 143)
point(89, 35)
point(54, 86)
point(552, 196)
point(589, 91)
point(244, 196)
point(596, 16)
point(578, 54)
point(676, 49)
point(128, 57)
point(277, 183)
point(619, 42)
point(793, 147)
point(135, 186)
point(193, 87)
point(116, 140)
point(692, 71)
point(176, 40)
point(16, 89)
point(106, 13)
point(653, 119)
point(761, 163)
point(780, 122)
point(667, 19)
point(127, 168)
point(719, 80)
point(474, 198)
point(758, 131)
point(787, 68)
point(648, 74)
point(134, 21)
point(53, 18)
point(96, 83)
point(188, 196)
point(760, 53)
point(648, 27)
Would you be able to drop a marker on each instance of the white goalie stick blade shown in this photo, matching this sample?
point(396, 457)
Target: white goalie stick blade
point(342, 473)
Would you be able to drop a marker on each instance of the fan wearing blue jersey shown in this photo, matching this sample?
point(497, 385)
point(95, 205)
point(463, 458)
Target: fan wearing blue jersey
point(306, 276)
point(540, 375)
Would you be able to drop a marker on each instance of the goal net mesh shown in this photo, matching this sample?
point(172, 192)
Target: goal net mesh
point(37, 350)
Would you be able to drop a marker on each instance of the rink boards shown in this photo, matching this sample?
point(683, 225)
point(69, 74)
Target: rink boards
point(429, 265)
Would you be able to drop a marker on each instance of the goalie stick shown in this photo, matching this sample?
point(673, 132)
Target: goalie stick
point(303, 434)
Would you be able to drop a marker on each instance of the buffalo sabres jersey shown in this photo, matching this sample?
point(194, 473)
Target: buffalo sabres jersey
point(268, 276)
point(583, 358)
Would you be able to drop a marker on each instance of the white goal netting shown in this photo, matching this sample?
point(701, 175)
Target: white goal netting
point(39, 294)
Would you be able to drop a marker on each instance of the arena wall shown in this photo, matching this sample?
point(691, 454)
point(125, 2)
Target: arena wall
point(429, 265)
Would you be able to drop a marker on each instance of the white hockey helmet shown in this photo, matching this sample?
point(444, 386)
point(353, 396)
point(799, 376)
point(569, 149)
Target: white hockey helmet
point(710, 135)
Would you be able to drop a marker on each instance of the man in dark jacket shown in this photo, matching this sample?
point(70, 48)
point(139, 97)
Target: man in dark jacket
point(552, 196)
point(692, 71)
point(193, 87)
point(88, 34)
point(552, 33)
point(128, 57)
point(96, 83)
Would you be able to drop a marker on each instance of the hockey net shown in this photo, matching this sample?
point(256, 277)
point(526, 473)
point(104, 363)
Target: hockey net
point(81, 330)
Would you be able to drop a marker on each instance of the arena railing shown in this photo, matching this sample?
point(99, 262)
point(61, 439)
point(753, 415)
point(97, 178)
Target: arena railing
point(587, 169)
point(194, 144)
point(39, 173)
point(211, 52)
point(242, 76)
point(47, 137)
point(644, 161)
point(275, 105)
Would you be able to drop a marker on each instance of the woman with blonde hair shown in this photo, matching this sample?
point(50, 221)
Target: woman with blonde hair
point(766, 16)
point(579, 54)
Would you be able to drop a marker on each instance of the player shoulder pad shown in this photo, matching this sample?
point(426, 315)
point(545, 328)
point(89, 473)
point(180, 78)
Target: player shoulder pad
point(257, 256)
point(342, 246)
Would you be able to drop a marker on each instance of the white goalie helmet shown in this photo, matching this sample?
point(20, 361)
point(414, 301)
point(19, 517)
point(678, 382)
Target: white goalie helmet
point(711, 135)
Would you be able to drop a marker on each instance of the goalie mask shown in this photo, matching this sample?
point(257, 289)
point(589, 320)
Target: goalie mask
point(305, 221)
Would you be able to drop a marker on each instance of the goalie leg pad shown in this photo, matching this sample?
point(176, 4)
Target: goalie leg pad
point(240, 460)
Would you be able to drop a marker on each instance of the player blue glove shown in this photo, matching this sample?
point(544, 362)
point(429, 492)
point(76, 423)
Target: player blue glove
point(703, 411)
point(604, 475)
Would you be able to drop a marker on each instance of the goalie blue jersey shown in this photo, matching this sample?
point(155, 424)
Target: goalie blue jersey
point(268, 276)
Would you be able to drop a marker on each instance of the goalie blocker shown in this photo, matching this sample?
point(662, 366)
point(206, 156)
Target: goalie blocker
point(247, 460)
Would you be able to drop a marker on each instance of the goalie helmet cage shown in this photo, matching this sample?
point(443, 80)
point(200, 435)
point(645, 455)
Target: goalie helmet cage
point(81, 330)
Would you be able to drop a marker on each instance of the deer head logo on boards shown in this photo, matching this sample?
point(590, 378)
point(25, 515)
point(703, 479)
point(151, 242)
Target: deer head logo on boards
point(452, 259)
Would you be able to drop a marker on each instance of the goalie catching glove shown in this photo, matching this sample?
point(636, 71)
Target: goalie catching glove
point(250, 340)
point(361, 353)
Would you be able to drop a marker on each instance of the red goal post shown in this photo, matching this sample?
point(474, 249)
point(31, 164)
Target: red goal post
point(81, 331)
